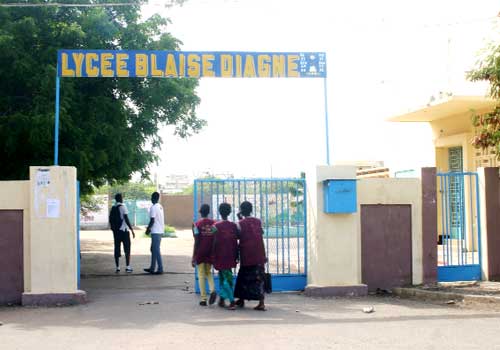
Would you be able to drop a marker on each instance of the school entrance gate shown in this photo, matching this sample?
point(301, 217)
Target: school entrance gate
point(276, 203)
point(459, 227)
point(281, 206)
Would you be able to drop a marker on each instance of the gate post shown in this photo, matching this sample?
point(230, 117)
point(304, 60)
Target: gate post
point(53, 256)
point(334, 255)
point(429, 225)
point(489, 196)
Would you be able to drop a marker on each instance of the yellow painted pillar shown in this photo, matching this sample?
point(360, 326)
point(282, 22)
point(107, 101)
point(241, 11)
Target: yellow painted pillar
point(53, 241)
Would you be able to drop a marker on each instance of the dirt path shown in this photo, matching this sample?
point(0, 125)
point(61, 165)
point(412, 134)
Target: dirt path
point(97, 253)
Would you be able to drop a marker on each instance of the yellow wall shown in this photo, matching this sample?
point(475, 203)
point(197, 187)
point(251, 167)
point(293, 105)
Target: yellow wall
point(454, 131)
point(335, 239)
point(53, 239)
point(14, 195)
point(457, 124)
point(50, 264)
point(442, 146)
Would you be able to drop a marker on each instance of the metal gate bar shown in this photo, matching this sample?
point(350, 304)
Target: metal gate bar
point(281, 206)
point(459, 257)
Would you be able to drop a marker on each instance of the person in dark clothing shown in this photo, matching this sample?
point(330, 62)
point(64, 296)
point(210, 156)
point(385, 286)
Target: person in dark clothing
point(250, 280)
point(121, 235)
point(203, 232)
point(226, 255)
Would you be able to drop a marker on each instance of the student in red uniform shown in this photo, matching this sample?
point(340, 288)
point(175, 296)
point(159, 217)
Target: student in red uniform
point(226, 255)
point(203, 233)
point(250, 281)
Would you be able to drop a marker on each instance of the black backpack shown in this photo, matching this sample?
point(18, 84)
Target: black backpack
point(115, 221)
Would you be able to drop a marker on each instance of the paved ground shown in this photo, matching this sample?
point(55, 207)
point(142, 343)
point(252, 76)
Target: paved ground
point(97, 253)
point(115, 318)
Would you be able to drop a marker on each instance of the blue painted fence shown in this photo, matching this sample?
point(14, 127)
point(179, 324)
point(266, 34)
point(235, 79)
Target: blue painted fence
point(138, 215)
point(281, 206)
point(459, 245)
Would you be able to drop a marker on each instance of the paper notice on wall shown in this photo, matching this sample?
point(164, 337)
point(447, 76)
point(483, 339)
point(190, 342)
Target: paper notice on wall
point(43, 178)
point(53, 208)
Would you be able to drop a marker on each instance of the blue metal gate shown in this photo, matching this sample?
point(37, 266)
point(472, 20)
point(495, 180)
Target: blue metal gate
point(459, 227)
point(281, 206)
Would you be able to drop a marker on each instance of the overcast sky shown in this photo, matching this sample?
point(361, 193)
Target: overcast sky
point(384, 58)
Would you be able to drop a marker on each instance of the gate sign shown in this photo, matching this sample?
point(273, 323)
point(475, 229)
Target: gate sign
point(188, 64)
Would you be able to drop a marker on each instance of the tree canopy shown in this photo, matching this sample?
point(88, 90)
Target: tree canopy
point(108, 126)
point(488, 125)
point(130, 190)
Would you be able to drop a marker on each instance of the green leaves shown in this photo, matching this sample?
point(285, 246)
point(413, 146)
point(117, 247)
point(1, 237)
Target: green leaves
point(488, 125)
point(487, 130)
point(109, 128)
point(488, 68)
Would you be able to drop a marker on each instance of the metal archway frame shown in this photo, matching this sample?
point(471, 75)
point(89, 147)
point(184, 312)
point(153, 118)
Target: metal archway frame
point(188, 64)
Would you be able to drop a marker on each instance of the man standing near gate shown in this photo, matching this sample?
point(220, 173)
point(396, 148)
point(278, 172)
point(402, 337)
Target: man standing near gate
point(119, 222)
point(156, 228)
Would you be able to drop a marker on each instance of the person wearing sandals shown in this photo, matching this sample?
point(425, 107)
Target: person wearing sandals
point(226, 255)
point(203, 232)
point(250, 281)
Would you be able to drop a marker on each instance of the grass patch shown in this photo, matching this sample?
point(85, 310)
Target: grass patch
point(169, 232)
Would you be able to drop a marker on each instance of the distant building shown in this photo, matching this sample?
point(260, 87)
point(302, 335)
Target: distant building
point(456, 159)
point(175, 183)
point(451, 123)
point(98, 219)
point(215, 175)
point(367, 169)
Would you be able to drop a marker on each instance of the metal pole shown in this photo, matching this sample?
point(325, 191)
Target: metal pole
point(78, 251)
point(304, 206)
point(56, 126)
point(478, 218)
point(326, 123)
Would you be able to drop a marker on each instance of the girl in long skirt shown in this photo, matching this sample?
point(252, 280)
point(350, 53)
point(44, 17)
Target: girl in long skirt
point(250, 281)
